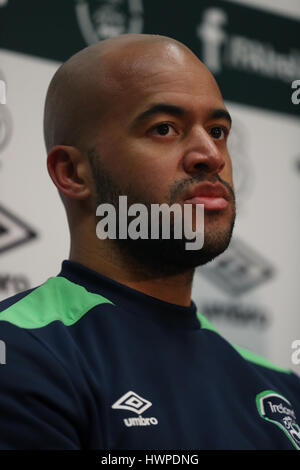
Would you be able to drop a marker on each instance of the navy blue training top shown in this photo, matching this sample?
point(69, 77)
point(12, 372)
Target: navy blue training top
point(88, 363)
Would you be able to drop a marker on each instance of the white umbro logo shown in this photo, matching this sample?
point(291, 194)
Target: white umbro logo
point(133, 402)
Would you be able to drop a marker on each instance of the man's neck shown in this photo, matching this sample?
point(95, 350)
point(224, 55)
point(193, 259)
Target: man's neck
point(174, 289)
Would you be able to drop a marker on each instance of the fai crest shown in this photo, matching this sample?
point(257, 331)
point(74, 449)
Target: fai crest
point(278, 410)
point(104, 19)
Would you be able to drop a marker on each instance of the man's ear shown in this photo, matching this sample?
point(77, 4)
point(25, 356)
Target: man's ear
point(69, 171)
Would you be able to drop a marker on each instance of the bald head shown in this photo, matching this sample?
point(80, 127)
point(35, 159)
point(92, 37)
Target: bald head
point(81, 89)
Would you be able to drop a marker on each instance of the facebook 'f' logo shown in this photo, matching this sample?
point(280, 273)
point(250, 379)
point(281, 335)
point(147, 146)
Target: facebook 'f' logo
point(2, 92)
point(211, 33)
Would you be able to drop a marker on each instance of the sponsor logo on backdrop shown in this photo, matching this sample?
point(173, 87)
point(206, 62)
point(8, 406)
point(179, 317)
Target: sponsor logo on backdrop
point(11, 284)
point(13, 230)
point(105, 19)
point(221, 50)
point(276, 409)
point(239, 270)
point(212, 34)
point(239, 314)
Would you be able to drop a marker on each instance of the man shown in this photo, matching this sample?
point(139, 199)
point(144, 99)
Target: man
point(112, 353)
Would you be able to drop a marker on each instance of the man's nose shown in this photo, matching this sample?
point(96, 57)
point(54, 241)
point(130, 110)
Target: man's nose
point(203, 154)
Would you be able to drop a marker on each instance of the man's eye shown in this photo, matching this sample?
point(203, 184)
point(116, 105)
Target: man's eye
point(218, 132)
point(163, 129)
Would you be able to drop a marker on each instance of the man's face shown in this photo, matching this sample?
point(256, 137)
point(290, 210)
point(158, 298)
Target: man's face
point(163, 131)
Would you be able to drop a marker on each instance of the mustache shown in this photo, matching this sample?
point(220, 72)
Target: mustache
point(180, 186)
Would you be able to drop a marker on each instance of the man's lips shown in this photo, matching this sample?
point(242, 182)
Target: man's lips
point(213, 196)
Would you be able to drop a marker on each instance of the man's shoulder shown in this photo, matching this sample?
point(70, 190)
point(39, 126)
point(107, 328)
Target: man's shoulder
point(57, 299)
point(245, 353)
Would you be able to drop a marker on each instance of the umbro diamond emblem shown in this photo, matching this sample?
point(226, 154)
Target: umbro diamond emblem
point(133, 402)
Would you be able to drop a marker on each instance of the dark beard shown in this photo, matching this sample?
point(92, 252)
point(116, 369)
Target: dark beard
point(159, 257)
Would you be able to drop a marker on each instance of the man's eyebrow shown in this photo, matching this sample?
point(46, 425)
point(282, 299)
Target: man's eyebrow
point(174, 110)
point(220, 114)
point(159, 108)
